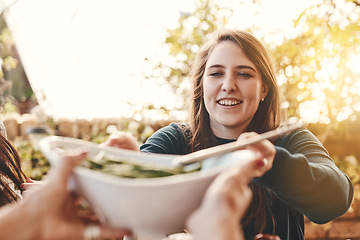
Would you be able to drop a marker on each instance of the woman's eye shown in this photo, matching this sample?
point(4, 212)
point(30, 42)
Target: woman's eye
point(244, 75)
point(215, 74)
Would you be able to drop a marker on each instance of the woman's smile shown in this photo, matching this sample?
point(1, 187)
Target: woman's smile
point(229, 102)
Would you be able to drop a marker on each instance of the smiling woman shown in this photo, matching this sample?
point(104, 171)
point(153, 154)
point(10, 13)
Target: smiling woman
point(236, 96)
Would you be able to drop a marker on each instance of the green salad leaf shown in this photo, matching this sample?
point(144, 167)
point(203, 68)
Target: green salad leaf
point(128, 168)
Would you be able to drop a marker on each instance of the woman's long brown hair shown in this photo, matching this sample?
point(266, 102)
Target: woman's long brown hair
point(10, 167)
point(267, 116)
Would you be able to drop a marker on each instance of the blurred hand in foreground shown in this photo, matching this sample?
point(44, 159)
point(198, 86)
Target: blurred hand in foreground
point(226, 202)
point(49, 210)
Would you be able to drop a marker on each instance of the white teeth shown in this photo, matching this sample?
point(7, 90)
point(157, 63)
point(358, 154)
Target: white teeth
point(229, 102)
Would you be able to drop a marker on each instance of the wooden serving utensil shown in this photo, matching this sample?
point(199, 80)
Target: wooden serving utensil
point(229, 147)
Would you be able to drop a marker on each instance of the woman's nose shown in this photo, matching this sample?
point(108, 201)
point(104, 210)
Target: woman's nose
point(229, 84)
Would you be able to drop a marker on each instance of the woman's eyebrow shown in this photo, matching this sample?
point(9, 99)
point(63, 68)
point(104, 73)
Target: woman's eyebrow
point(239, 67)
point(246, 66)
point(216, 66)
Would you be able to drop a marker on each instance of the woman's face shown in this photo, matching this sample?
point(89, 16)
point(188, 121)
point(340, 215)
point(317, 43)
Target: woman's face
point(232, 88)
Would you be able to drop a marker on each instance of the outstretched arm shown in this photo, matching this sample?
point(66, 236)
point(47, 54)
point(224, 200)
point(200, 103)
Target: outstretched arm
point(305, 177)
point(48, 210)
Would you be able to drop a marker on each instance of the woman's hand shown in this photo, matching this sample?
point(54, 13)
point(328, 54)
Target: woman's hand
point(266, 237)
point(225, 202)
point(28, 184)
point(265, 150)
point(229, 196)
point(122, 140)
point(53, 209)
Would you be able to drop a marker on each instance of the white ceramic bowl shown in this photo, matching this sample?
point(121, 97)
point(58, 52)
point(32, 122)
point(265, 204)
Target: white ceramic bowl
point(150, 207)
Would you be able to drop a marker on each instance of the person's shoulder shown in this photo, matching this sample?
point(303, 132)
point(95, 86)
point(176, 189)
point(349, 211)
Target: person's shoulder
point(299, 134)
point(175, 128)
point(170, 139)
point(179, 125)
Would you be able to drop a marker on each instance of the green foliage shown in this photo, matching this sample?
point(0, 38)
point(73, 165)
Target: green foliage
point(140, 130)
point(9, 107)
point(184, 41)
point(8, 63)
point(14, 86)
point(350, 165)
point(36, 165)
point(5, 101)
point(33, 162)
point(318, 67)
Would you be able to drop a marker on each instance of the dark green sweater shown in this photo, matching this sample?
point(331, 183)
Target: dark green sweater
point(303, 179)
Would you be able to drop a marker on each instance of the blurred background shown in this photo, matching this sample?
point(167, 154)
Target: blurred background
point(82, 68)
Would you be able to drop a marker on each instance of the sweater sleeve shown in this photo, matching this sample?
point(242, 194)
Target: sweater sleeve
point(167, 140)
point(305, 177)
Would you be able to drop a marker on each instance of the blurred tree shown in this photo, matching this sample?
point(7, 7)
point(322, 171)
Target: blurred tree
point(319, 69)
point(15, 90)
point(185, 40)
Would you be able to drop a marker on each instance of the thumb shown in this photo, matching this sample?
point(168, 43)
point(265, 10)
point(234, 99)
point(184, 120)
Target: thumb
point(250, 169)
point(66, 165)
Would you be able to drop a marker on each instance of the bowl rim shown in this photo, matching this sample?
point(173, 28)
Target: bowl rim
point(48, 143)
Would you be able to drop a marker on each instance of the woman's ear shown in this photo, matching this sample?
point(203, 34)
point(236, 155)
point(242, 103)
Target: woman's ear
point(265, 90)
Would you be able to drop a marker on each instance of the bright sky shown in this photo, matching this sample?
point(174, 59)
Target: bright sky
point(86, 56)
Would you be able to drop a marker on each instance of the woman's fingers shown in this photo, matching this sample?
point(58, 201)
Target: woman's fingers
point(122, 140)
point(27, 186)
point(107, 232)
point(265, 147)
point(96, 231)
point(253, 169)
point(265, 150)
point(266, 237)
point(66, 165)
